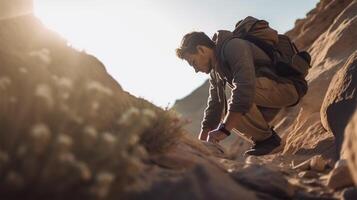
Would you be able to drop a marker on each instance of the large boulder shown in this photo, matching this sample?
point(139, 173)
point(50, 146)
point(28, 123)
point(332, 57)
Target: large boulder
point(340, 100)
point(265, 180)
point(317, 21)
point(329, 54)
point(340, 176)
point(350, 146)
point(201, 182)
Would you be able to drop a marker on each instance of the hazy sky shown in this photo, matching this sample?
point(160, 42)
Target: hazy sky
point(136, 39)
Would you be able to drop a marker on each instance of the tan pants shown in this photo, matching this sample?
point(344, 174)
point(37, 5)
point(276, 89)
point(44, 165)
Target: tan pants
point(271, 95)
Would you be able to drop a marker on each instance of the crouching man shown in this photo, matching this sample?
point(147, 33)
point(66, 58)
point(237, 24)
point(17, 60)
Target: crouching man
point(257, 91)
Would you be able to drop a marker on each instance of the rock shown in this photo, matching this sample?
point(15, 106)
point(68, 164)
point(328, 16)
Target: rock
point(340, 100)
point(201, 182)
point(317, 21)
point(340, 176)
point(350, 144)
point(330, 48)
point(308, 174)
point(238, 147)
point(215, 149)
point(265, 180)
point(318, 163)
point(253, 160)
point(183, 156)
point(173, 161)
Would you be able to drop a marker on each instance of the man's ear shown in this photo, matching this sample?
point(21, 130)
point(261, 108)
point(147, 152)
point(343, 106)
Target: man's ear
point(200, 49)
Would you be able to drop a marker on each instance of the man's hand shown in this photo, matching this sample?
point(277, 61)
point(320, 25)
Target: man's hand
point(215, 136)
point(204, 134)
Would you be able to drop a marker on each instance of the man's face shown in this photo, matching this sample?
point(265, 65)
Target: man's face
point(200, 61)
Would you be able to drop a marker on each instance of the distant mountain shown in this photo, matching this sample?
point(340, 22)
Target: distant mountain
point(192, 107)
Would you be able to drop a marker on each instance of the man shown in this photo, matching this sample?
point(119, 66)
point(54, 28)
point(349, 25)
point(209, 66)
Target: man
point(257, 92)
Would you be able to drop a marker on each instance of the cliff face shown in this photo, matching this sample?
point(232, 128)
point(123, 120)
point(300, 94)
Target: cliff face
point(329, 51)
point(317, 21)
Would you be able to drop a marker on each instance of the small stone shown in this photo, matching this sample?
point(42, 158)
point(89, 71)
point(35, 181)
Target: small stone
point(308, 174)
point(318, 163)
point(340, 176)
point(253, 160)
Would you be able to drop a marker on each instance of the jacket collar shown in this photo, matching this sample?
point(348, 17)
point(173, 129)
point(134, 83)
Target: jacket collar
point(220, 38)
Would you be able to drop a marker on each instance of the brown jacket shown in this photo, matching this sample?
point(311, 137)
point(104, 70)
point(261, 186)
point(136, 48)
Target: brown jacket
point(239, 63)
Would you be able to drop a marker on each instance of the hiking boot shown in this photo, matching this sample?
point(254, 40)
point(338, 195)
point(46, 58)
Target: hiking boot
point(266, 146)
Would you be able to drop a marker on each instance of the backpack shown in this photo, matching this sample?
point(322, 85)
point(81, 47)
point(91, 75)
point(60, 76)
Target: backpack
point(287, 60)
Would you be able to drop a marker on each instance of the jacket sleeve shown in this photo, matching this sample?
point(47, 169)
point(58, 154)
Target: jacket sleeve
point(238, 55)
point(213, 112)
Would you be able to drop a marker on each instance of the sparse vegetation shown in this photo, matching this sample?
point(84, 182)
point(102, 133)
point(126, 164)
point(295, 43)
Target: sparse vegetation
point(67, 130)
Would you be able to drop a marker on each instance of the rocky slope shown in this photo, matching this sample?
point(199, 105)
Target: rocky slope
point(329, 51)
point(67, 129)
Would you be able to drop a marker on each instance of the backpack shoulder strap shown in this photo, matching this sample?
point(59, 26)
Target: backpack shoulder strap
point(267, 48)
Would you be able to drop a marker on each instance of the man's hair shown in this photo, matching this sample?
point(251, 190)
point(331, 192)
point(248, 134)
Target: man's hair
point(191, 40)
